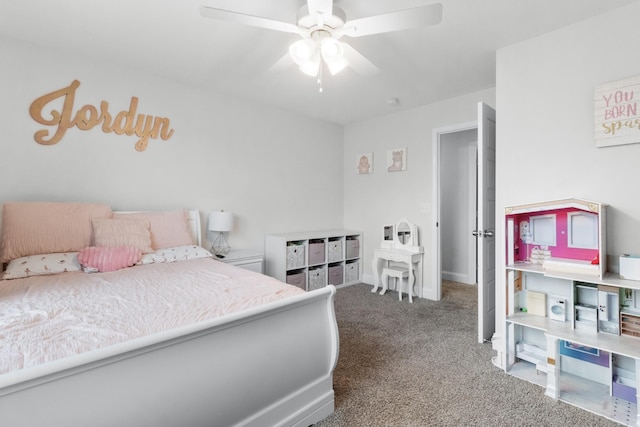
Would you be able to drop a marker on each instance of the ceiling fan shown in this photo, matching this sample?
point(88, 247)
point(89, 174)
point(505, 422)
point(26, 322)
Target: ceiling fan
point(321, 25)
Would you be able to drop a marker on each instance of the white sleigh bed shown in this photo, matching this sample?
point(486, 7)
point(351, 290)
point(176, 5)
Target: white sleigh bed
point(268, 365)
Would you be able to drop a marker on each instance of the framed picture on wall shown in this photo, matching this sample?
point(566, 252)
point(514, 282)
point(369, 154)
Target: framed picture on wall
point(364, 163)
point(397, 159)
point(616, 112)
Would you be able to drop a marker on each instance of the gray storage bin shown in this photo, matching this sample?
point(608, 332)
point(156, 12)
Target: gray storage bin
point(316, 252)
point(317, 277)
point(334, 250)
point(351, 272)
point(295, 255)
point(336, 275)
point(298, 279)
point(353, 248)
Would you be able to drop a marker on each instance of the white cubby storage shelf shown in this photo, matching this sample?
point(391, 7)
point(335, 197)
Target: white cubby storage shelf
point(314, 259)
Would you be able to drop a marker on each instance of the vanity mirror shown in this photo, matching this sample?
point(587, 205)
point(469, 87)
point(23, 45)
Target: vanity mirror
point(406, 235)
point(387, 236)
point(387, 232)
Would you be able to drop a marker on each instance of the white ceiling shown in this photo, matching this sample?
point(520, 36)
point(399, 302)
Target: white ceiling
point(419, 66)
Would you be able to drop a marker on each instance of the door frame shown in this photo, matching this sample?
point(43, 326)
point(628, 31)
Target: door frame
point(435, 292)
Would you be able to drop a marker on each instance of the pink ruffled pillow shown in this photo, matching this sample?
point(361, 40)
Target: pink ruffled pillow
point(104, 258)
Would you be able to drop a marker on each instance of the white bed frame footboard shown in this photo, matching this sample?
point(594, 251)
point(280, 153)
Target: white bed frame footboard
point(267, 366)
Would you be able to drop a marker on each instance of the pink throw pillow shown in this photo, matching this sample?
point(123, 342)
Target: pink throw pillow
point(104, 258)
point(112, 232)
point(168, 228)
point(34, 228)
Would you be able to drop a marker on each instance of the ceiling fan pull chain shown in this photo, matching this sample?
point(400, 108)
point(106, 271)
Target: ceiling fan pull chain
point(320, 77)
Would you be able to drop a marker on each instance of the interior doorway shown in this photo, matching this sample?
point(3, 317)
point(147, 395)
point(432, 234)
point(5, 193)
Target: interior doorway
point(458, 205)
point(455, 204)
point(482, 220)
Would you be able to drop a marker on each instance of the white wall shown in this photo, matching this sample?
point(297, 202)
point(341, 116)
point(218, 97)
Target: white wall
point(384, 197)
point(275, 170)
point(545, 141)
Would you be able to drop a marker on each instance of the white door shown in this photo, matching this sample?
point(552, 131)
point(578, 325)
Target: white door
point(486, 241)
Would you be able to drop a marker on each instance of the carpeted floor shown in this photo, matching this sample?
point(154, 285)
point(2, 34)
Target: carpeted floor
point(420, 364)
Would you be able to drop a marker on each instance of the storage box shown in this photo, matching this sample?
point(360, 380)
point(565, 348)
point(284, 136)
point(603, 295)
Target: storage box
point(353, 248)
point(316, 253)
point(334, 250)
point(317, 277)
point(351, 272)
point(336, 275)
point(630, 267)
point(298, 279)
point(295, 256)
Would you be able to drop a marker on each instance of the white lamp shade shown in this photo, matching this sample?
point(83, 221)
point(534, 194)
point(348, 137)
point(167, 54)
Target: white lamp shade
point(220, 221)
point(336, 65)
point(303, 51)
point(311, 67)
point(331, 48)
point(306, 55)
point(333, 54)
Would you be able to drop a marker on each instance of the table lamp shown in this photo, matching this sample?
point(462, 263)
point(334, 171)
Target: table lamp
point(220, 222)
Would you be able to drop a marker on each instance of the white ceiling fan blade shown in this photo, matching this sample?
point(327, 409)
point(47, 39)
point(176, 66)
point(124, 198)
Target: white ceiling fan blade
point(395, 21)
point(254, 21)
point(358, 62)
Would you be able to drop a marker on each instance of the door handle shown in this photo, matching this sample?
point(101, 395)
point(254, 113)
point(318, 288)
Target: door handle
point(488, 233)
point(476, 233)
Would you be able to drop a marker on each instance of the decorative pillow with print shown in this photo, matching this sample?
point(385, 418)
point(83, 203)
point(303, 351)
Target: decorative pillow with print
point(41, 265)
point(178, 253)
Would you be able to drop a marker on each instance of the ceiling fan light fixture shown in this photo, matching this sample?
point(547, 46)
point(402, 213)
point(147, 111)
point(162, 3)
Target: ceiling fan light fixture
point(333, 54)
point(336, 65)
point(311, 67)
point(331, 48)
point(303, 51)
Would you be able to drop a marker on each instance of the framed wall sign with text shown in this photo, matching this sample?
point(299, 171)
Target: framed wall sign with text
point(616, 112)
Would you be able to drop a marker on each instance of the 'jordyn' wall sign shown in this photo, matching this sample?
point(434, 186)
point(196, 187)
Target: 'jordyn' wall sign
point(88, 116)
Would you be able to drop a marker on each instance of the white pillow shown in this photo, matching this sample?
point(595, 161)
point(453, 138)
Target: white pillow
point(40, 265)
point(178, 253)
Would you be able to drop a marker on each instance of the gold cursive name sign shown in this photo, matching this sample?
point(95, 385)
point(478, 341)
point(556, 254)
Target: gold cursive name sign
point(88, 116)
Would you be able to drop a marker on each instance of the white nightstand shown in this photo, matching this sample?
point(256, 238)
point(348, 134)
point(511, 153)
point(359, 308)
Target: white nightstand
point(249, 260)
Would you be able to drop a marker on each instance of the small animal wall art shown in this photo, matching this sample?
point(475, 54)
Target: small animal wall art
point(397, 159)
point(364, 163)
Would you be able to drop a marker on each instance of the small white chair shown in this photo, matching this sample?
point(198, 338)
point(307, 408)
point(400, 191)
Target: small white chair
point(399, 274)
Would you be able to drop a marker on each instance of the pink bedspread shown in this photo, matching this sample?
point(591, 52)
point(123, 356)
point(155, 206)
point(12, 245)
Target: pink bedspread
point(45, 318)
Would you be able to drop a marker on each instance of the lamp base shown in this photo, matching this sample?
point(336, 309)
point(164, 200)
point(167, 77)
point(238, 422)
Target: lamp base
point(220, 247)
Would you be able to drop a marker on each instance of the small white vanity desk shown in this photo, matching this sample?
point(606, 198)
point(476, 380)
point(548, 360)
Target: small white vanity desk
point(399, 245)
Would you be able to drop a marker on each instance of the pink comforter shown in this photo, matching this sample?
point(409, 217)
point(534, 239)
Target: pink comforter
point(45, 318)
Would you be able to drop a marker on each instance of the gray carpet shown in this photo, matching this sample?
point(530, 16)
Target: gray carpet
point(420, 364)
